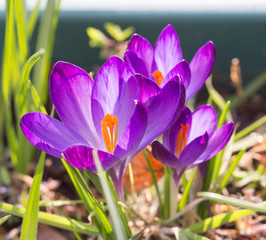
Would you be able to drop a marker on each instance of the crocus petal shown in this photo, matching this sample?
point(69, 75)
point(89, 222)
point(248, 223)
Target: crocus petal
point(183, 70)
point(135, 63)
point(201, 67)
point(70, 89)
point(217, 141)
point(143, 49)
point(48, 134)
point(80, 156)
point(170, 136)
point(114, 91)
point(203, 120)
point(164, 156)
point(167, 50)
point(162, 109)
point(147, 88)
point(193, 150)
point(133, 133)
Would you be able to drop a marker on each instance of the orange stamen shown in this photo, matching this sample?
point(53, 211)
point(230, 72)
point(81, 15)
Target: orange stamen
point(108, 124)
point(158, 77)
point(181, 140)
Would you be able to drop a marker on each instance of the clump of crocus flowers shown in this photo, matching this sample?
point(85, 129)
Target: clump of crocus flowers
point(127, 106)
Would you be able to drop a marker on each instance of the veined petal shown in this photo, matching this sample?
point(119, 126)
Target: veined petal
point(70, 89)
point(167, 50)
point(170, 136)
point(143, 49)
point(183, 70)
point(115, 90)
point(80, 156)
point(162, 109)
point(217, 141)
point(136, 64)
point(49, 134)
point(203, 120)
point(201, 67)
point(147, 88)
point(133, 133)
point(193, 150)
point(164, 156)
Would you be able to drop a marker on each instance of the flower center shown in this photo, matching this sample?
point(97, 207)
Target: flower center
point(181, 140)
point(158, 77)
point(109, 130)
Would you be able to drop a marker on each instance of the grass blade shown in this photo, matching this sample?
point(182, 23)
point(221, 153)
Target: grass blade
point(233, 201)
point(33, 20)
point(52, 220)
point(4, 219)
point(218, 220)
point(30, 220)
point(114, 213)
point(22, 37)
point(231, 169)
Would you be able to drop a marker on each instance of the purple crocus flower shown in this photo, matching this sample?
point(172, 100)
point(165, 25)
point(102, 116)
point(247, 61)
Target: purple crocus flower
point(160, 64)
point(105, 115)
point(192, 140)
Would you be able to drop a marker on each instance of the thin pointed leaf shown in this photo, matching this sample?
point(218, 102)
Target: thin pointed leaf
point(52, 220)
point(30, 220)
point(4, 219)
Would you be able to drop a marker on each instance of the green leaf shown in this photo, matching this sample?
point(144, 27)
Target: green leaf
point(233, 201)
point(231, 169)
point(4, 219)
point(52, 220)
point(33, 19)
point(30, 220)
point(89, 201)
point(184, 198)
point(97, 38)
point(22, 37)
point(119, 228)
point(250, 128)
point(218, 220)
point(116, 32)
point(193, 236)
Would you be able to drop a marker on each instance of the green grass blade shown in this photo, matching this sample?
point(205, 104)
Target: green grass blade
point(45, 40)
point(118, 225)
point(194, 236)
point(233, 201)
point(231, 169)
point(33, 20)
point(167, 203)
point(250, 128)
point(30, 220)
point(224, 114)
point(91, 204)
point(52, 220)
point(218, 220)
point(4, 219)
point(21, 31)
point(25, 74)
point(184, 198)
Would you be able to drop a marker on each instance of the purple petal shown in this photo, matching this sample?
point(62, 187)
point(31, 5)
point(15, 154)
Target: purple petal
point(170, 136)
point(193, 150)
point(147, 88)
point(143, 49)
point(167, 50)
point(80, 156)
point(164, 156)
point(49, 134)
point(203, 120)
point(133, 133)
point(183, 70)
point(114, 92)
point(201, 67)
point(136, 64)
point(217, 141)
point(70, 88)
point(162, 109)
